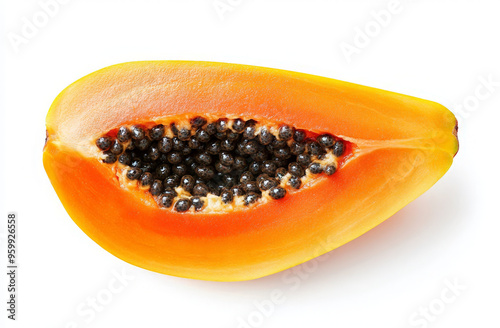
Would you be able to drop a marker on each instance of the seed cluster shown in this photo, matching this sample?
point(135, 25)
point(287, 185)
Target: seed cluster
point(225, 158)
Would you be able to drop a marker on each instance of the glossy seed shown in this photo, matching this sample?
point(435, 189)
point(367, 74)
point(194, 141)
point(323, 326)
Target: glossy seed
point(226, 196)
point(203, 158)
point(295, 169)
point(125, 159)
point(109, 158)
point(251, 198)
point(146, 179)
point(202, 135)
point(179, 169)
point(137, 132)
point(156, 132)
point(200, 189)
point(171, 181)
point(162, 171)
point(277, 192)
point(338, 148)
point(134, 173)
point(325, 140)
point(197, 203)
point(238, 125)
point(314, 148)
point(221, 125)
point(265, 136)
point(142, 144)
point(156, 187)
point(182, 205)
point(294, 182)
point(174, 158)
point(246, 176)
point(285, 132)
point(116, 148)
point(198, 121)
point(165, 145)
point(315, 168)
point(299, 135)
point(222, 168)
point(123, 134)
point(165, 200)
point(268, 183)
point(330, 169)
point(187, 183)
point(205, 172)
point(184, 134)
point(104, 143)
point(280, 173)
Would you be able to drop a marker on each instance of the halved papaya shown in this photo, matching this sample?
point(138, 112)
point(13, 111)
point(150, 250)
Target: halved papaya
point(346, 157)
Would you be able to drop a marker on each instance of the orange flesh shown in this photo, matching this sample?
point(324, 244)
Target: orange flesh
point(401, 147)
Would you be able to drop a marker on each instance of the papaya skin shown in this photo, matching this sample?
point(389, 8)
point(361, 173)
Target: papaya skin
point(401, 146)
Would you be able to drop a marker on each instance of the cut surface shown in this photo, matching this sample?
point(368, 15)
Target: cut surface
point(396, 147)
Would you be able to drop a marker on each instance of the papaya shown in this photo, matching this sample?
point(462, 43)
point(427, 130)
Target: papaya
point(230, 172)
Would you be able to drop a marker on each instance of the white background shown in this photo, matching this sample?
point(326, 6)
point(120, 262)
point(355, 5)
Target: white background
point(438, 50)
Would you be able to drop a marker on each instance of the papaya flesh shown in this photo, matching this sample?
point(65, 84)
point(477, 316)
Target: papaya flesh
point(396, 147)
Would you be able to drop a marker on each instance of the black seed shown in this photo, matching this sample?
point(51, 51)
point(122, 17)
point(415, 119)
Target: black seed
point(314, 148)
point(213, 148)
point(174, 129)
point(220, 135)
point(162, 171)
point(226, 158)
point(202, 135)
point(213, 188)
point(148, 167)
point(227, 145)
point(205, 172)
point(232, 136)
point(254, 168)
point(179, 169)
point(280, 173)
point(268, 183)
point(249, 131)
point(280, 162)
point(294, 182)
point(200, 189)
point(269, 167)
point(221, 125)
point(285, 132)
point(189, 160)
point(277, 192)
point(222, 168)
point(251, 198)
point(123, 134)
point(297, 148)
point(187, 182)
point(109, 158)
point(184, 134)
point(251, 147)
point(197, 203)
point(178, 144)
point(330, 169)
point(116, 148)
point(156, 188)
point(325, 140)
point(276, 144)
point(338, 148)
point(194, 143)
point(171, 181)
point(125, 159)
point(250, 186)
point(299, 135)
point(239, 163)
point(260, 155)
point(246, 176)
point(186, 151)
point(315, 168)
point(226, 196)
point(146, 179)
point(156, 132)
point(142, 144)
point(295, 169)
point(203, 158)
point(137, 132)
point(198, 121)
point(104, 143)
point(165, 145)
point(228, 180)
point(211, 129)
point(304, 159)
point(154, 153)
point(165, 200)
point(134, 173)
point(162, 158)
point(237, 190)
point(136, 162)
point(170, 192)
point(265, 136)
point(182, 205)
point(174, 158)
point(261, 177)
point(238, 125)
point(282, 153)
